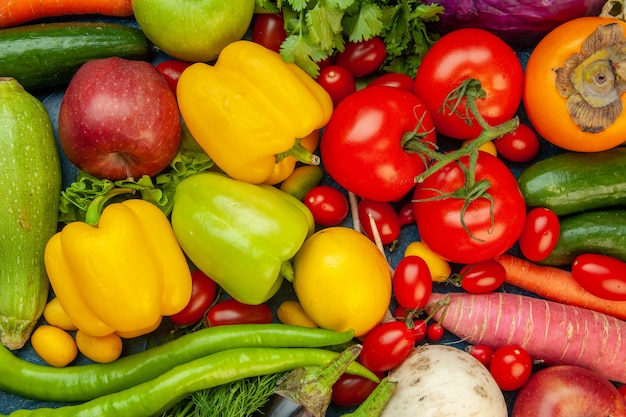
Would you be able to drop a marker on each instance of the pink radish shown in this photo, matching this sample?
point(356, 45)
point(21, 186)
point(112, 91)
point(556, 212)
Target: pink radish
point(555, 333)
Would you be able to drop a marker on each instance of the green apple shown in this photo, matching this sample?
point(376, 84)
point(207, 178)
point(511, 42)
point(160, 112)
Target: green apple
point(193, 30)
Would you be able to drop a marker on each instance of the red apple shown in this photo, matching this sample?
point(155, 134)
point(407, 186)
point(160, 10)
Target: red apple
point(568, 391)
point(119, 119)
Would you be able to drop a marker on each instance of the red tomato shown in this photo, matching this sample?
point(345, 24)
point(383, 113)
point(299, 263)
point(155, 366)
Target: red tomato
point(232, 311)
point(362, 144)
point(352, 390)
point(394, 79)
point(482, 277)
point(385, 218)
point(412, 282)
point(483, 353)
point(268, 30)
point(327, 204)
point(478, 230)
point(405, 214)
point(419, 330)
point(511, 367)
point(337, 81)
point(362, 58)
point(469, 54)
point(520, 145)
point(417, 326)
point(540, 233)
point(203, 291)
point(603, 276)
point(170, 70)
point(434, 332)
point(387, 346)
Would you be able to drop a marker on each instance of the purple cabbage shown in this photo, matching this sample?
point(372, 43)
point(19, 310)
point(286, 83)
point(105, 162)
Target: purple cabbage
point(521, 23)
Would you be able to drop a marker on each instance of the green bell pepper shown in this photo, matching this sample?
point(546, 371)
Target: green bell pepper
point(241, 235)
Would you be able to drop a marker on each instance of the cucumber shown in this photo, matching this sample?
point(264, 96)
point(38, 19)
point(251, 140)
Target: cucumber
point(573, 182)
point(599, 231)
point(48, 54)
point(30, 180)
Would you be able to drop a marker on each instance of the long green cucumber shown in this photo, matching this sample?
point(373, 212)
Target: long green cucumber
point(575, 182)
point(48, 54)
point(30, 187)
point(598, 231)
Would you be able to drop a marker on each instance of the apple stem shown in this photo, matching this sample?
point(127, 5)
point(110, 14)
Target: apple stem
point(95, 208)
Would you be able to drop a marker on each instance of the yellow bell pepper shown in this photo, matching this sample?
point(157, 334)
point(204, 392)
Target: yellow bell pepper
point(249, 107)
point(123, 274)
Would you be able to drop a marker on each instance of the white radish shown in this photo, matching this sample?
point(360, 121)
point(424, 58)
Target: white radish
point(443, 381)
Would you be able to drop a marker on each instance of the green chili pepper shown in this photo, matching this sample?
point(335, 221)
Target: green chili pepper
point(241, 235)
point(85, 382)
point(159, 394)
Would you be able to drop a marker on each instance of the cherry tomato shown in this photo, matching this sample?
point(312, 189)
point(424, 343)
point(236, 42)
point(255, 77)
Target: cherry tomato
point(268, 30)
point(603, 276)
point(232, 311)
point(405, 214)
point(386, 346)
point(412, 283)
point(384, 216)
point(417, 326)
point(540, 233)
point(469, 54)
point(520, 145)
point(203, 291)
point(361, 145)
point(434, 332)
point(483, 353)
point(337, 81)
point(327, 204)
point(482, 277)
point(170, 70)
point(352, 390)
point(552, 114)
point(511, 367)
point(419, 330)
point(469, 232)
point(394, 79)
point(362, 58)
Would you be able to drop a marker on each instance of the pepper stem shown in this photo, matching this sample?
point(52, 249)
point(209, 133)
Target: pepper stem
point(301, 153)
point(95, 208)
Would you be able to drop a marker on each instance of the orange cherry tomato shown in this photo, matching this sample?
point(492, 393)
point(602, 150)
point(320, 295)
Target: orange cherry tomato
point(548, 109)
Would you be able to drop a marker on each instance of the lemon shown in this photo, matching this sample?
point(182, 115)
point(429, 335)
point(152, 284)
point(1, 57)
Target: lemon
point(342, 280)
point(54, 345)
point(102, 349)
point(55, 315)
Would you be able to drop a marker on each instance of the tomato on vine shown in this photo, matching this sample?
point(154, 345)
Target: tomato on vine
point(445, 77)
point(434, 332)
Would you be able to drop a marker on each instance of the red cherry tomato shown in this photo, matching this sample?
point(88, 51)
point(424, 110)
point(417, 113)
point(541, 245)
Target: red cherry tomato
point(603, 276)
point(394, 79)
point(434, 332)
point(384, 216)
point(170, 70)
point(405, 214)
point(412, 282)
point(540, 233)
point(386, 346)
point(362, 58)
point(482, 277)
point(328, 205)
point(520, 145)
point(337, 81)
point(419, 330)
point(511, 367)
point(203, 291)
point(417, 326)
point(462, 55)
point(232, 311)
point(352, 390)
point(268, 30)
point(481, 352)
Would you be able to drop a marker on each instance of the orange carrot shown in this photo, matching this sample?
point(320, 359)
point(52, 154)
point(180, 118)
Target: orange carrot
point(557, 285)
point(17, 12)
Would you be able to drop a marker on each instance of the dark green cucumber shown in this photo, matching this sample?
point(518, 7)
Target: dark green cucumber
point(599, 231)
point(48, 54)
point(573, 182)
point(30, 184)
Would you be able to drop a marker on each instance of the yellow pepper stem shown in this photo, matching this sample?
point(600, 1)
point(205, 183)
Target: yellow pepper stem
point(95, 208)
point(301, 153)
